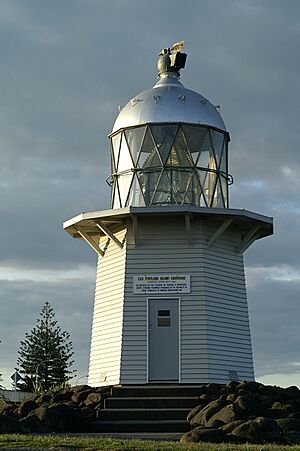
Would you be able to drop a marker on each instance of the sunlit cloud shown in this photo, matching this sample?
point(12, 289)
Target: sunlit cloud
point(85, 273)
point(282, 273)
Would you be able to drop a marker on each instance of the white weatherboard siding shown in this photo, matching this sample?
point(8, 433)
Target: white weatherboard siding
point(105, 353)
point(215, 335)
point(163, 249)
point(227, 319)
point(214, 327)
point(215, 341)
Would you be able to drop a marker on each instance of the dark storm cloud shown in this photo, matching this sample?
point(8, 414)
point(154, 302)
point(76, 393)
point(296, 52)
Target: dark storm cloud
point(65, 67)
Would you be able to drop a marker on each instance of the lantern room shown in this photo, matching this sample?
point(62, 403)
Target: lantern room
point(169, 146)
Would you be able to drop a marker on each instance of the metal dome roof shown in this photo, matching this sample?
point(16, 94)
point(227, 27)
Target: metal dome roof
point(168, 101)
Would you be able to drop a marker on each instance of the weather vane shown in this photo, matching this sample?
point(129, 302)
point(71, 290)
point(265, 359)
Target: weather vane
point(176, 47)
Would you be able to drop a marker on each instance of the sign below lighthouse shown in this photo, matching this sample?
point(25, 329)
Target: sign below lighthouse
point(161, 283)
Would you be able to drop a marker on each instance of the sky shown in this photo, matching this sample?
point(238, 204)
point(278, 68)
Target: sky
point(65, 67)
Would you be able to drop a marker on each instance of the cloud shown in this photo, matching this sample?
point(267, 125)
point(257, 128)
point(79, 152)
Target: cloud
point(274, 302)
point(22, 296)
point(65, 67)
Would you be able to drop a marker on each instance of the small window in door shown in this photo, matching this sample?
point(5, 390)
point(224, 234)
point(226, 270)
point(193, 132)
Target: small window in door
point(163, 318)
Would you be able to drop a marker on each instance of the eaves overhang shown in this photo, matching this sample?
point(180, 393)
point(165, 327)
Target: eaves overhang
point(94, 224)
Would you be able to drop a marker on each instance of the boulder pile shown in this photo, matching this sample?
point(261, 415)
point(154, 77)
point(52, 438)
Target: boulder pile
point(65, 410)
point(239, 412)
point(245, 412)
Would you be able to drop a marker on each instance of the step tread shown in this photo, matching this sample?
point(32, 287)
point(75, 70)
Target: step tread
point(105, 422)
point(168, 386)
point(164, 409)
point(152, 397)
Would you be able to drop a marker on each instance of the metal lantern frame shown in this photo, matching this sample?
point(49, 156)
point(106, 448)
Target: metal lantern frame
point(169, 164)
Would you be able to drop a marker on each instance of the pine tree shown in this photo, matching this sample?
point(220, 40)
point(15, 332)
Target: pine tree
point(1, 388)
point(46, 349)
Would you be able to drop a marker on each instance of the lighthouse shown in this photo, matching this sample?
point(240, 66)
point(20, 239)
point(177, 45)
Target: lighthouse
point(170, 299)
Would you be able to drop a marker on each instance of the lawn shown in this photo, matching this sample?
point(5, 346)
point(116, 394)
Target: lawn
point(107, 444)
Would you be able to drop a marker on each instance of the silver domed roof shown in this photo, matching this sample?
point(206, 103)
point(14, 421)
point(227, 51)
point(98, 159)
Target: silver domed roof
point(168, 101)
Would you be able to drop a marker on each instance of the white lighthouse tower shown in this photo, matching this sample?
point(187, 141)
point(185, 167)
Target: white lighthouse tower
point(170, 301)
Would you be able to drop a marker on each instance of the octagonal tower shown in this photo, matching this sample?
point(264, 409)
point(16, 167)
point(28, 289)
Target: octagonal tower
point(170, 301)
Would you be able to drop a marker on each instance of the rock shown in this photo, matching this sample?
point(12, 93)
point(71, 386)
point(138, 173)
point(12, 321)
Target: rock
point(213, 387)
point(205, 397)
point(40, 413)
point(26, 406)
point(66, 418)
point(280, 410)
point(293, 438)
point(292, 390)
point(248, 405)
point(201, 434)
point(7, 407)
point(228, 428)
point(202, 417)
point(9, 425)
point(227, 414)
point(35, 426)
point(66, 403)
point(62, 396)
point(104, 390)
point(93, 398)
point(194, 412)
point(249, 386)
point(80, 388)
point(45, 398)
point(288, 424)
point(215, 423)
point(90, 413)
point(61, 418)
point(231, 397)
point(81, 396)
point(232, 384)
point(260, 430)
point(269, 391)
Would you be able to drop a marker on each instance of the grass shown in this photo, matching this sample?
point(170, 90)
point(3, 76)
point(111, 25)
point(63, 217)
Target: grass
point(108, 444)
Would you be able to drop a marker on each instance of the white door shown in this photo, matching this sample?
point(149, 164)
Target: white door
point(163, 340)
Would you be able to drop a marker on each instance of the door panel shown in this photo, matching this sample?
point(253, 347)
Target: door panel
point(163, 339)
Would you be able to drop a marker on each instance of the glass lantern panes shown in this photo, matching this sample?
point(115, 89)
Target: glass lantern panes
point(217, 142)
point(136, 198)
point(196, 137)
point(149, 156)
point(179, 154)
point(169, 164)
point(115, 143)
point(162, 194)
point(125, 161)
point(134, 138)
point(163, 136)
point(149, 181)
point(124, 181)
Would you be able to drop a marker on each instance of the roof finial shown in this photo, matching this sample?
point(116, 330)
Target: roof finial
point(171, 59)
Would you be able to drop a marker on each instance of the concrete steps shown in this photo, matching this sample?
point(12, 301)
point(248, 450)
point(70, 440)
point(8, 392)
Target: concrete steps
point(151, 403)
point(150, 391)
point(142, 414)
point(147, 409)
